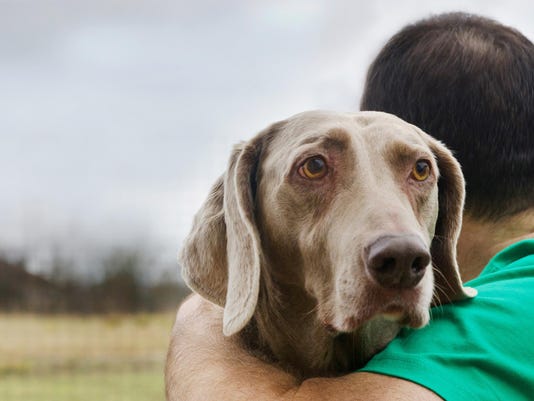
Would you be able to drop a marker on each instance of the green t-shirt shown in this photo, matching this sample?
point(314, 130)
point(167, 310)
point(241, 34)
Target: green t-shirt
point(478, 349)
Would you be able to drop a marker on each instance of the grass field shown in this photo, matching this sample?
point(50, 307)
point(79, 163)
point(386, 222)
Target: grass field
point(78, 358)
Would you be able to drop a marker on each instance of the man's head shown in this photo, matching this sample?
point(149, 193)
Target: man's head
point(469, 82)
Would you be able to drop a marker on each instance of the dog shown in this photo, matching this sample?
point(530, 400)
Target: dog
point(328, 233)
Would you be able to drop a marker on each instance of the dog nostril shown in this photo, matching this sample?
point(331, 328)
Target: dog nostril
point(387, 265)
point(417, 265)
point(420, 262)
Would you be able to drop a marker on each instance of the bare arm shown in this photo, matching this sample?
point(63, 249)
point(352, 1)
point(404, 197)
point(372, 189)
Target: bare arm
point(202, 364)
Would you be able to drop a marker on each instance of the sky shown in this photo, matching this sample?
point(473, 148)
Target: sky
point(116, 116)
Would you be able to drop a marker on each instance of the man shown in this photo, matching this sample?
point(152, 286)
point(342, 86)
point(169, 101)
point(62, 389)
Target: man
point(469, 82)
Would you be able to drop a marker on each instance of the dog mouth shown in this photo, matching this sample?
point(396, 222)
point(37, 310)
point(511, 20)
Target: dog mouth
point(413, 318)
point(404, 311)
point(394, 313)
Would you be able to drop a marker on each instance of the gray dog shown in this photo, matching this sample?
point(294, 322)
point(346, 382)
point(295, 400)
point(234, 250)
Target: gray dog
point(327, 234)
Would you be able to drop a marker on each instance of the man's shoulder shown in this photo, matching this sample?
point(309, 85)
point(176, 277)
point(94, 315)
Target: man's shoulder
point(477, 340)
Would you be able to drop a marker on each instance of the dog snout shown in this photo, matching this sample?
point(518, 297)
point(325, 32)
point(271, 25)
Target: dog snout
point(397, 261)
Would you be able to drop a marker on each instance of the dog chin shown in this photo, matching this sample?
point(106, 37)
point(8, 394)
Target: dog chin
point(413, 317)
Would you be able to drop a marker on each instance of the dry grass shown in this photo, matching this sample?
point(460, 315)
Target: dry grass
point(83, 358)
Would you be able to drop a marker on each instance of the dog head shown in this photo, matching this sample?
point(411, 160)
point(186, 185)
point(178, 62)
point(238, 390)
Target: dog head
point(354, 208)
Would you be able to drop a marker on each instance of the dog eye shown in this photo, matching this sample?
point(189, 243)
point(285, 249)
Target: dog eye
point(421, 170)
point(313, 168)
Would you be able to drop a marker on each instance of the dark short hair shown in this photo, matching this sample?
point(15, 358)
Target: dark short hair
point(469, 82)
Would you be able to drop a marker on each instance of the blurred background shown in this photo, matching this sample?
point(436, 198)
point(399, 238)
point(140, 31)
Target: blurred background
point(116, 116)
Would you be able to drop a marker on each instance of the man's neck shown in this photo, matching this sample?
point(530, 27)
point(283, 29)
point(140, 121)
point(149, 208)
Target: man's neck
point(481, 240)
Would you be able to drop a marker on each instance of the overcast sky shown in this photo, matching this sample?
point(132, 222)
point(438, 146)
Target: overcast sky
point(117, 115)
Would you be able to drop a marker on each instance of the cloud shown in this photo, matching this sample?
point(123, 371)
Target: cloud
point(118, 116)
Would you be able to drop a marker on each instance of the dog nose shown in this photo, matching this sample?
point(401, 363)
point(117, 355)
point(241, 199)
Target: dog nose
point(398, 261)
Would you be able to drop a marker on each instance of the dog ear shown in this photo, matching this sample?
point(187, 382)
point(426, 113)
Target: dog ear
point(221, 258)
point(243, 240)
point(203, 254)
point(451, 195)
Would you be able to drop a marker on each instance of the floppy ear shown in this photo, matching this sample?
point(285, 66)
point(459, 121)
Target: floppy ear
point(203, 255)
point(221, 257)
point(451, 195)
